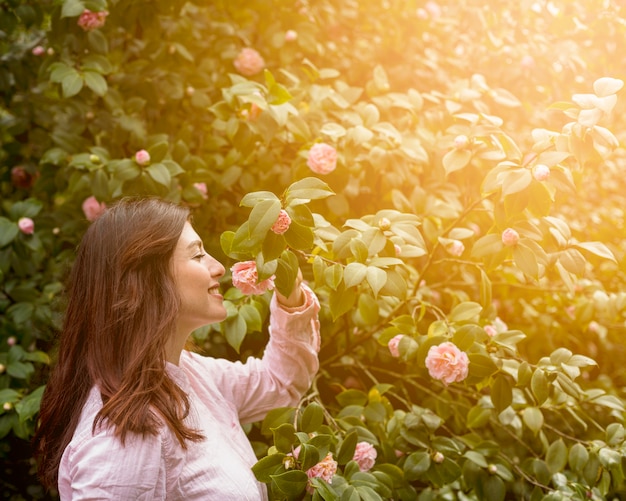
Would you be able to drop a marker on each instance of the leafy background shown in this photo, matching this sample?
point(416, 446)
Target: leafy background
point(440, 113)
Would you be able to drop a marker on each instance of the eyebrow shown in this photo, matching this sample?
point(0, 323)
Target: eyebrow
point(195, 243)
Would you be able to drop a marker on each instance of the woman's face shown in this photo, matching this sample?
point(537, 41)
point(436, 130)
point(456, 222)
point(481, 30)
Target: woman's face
point(196, 275)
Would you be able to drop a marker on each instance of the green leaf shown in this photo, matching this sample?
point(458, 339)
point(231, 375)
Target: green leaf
point(597, 248)
point(333, 275)
point(312, 418)
point(501, 392)
point(158, 151)
point(578, 457)
point(96, 82)
point(416, 464)
point(8, 231)
point(341, 301)
point(539, 386)
point(268, 466)
point(525, 260)
point(467, 311)
point(72, 8)
point(291, 482)
point(284, 437)
point(72, 83)
point(29, 405)
point(533, 419)
point(480, 365)
point(347, 447)
point(262, 218)
point(235, 330)
point(556, 456)
point(308, 456)
point(456, 160)
point(515, 180)
point(376, 278)
point(286, 272)
point(299, 237)
point(305, 190)
point(159, 173)
point(251, 199)
point(354, 274)
point(252, 317)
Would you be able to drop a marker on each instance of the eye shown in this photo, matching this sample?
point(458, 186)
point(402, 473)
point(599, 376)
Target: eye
point(200, 256)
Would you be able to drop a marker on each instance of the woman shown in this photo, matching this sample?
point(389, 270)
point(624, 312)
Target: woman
point(128, 413)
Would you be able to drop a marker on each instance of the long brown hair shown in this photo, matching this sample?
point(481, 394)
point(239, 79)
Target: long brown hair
point(121, 311)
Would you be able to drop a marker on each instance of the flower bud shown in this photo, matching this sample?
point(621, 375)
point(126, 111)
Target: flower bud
point(7, 406)
point(541, 172)
point(291, 35)
point(461, 142)
point(438, 457)
point(94, 159)
point(455, 248)
point(384, 224)
point(492, 469)
point(510, 237)
point(12, 341)
point(38, 51)
point(26, 226)
point(142, 157)
point(2, 368)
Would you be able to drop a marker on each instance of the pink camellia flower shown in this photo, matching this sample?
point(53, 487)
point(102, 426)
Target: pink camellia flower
point(541, 172)
point(26, 225)
point(282, 223)
point(510, 237)
point(291, 35)
point(89, 21)
point(393, 345)
point(322, 158)
point(38, 51)
point(365, 456)
point(142, 157)
point(249, 62)
point(201, 187)
point(325, 470)
point(92, 208)
point(245, 278)
point(447, 363)
point(21, 178)
point(455, 248)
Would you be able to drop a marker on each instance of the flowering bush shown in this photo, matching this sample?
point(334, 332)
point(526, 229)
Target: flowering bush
point(478, 204)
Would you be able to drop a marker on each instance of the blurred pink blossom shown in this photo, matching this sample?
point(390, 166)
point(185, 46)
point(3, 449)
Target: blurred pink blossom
point(291, 35)
point(249, 62)
point(282, 223)
point(26, 225)
point(461, 142)
point(447, 363)
point(245, 278)
point(201, 187)
point(365, 456)
point(89, 21)
point(510, 237)
point(541, 172)
point(38, 51)
point(455, 248)
point(322, 158)
point(393, 345)
point(142, 157)
point(92, 208)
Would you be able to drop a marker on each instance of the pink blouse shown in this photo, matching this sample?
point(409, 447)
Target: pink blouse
point(223, 394)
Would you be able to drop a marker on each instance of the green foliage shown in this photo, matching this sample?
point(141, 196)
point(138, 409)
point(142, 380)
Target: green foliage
point(453, 122)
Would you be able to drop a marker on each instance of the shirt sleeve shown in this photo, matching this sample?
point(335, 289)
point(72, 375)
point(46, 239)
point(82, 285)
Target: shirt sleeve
point(99, 467)
point(283, 374)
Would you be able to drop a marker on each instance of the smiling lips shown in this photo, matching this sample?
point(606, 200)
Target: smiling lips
point(214, 290)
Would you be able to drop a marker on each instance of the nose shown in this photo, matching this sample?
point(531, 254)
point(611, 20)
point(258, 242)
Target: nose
point(216, 268)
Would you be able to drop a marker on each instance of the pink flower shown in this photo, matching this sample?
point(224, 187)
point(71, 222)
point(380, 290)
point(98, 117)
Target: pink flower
point(496, 327)
point(541, 172)
point(89, 21)
point(322, 158)
point(461, 142)
point(365, 456)
point(527, 61)
point(142, 157)
point(447, 363)
point(38, 51)
point(397, 249)
point(455, 248)
point(249, 62)
point(92, 208)
point(490, 330)
point(21, 178)
point(282, 223)
point(325, 469)
point(245, 278)
point(384, 224)
point(201, 187)
point(26, 225)
point(393, 345)
point(510, 237)
point(291, 35)
point(438, 457)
